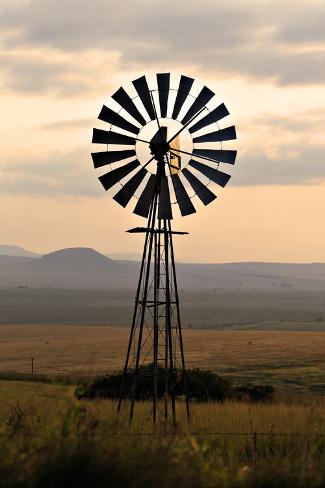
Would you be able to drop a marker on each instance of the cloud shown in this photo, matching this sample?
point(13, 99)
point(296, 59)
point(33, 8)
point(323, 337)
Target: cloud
point(52, 174)
point(264, 40)
point(38, 71)
point(282, 150)
point(273, 134)
point(312, 120)
point(68, 124)
point(291, 165)
point(276, 63)
point(79, 24)
point(71, 173)
point(306, 25)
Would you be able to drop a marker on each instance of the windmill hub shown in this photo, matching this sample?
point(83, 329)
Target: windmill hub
point(159, 149)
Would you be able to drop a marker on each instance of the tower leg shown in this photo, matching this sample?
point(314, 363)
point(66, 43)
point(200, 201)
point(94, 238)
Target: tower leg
point(136, 307)
point(169, 334)
point(155, 355)
point(179, 329)
point(143, 305)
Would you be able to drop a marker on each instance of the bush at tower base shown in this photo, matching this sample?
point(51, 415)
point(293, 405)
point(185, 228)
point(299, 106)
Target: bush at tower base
point(200, 385)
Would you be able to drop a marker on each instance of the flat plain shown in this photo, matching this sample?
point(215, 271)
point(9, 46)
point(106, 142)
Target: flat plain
point(290, 360)
point(271, 337)
point(215, 308)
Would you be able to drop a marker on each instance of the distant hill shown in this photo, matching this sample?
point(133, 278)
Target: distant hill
point(74, 260)
point(87, 268)
point(66, 268)
point(6, 250)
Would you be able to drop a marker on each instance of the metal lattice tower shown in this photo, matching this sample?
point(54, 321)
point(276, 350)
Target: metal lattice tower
point(156, 346)
point(173, 171)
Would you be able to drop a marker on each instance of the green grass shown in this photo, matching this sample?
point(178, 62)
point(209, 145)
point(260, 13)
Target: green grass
point(48, 438)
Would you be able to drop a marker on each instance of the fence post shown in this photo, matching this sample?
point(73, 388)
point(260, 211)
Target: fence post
point(254, 451)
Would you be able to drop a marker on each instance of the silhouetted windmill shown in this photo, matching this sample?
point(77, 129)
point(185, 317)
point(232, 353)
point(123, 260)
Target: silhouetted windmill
point(164, 130)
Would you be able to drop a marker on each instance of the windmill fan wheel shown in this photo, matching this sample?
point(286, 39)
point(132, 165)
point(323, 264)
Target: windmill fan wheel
point(165, 132)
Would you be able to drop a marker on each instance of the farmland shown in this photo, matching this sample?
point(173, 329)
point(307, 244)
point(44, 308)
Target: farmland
point(293, 362)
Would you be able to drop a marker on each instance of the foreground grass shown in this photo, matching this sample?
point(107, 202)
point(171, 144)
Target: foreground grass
point(47, 438)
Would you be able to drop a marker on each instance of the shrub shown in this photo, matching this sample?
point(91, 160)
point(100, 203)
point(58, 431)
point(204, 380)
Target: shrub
point(201, 385)
point(204, 385)
point(255, 393)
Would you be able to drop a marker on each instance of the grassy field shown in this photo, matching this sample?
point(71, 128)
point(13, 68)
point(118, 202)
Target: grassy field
point(47, 438)
point(216, 308)
point(293, 362)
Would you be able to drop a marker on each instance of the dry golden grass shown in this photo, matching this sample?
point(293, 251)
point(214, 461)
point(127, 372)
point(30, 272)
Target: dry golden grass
point(48, 438)
point(294, 360)
point(52, 400)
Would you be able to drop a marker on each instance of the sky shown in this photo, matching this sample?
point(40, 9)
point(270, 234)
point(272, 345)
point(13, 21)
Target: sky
point(60, 60)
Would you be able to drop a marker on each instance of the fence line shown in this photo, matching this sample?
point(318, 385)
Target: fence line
point(211, 434)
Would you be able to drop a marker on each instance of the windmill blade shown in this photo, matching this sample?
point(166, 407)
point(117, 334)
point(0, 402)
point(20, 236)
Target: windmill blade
point(144, 202)
point(205, 195)
point(163, 80)
point(108, 157)
point(218, 155)
point(212, 173)
point(203, 98)
point(217, 114)
point(185, 203)
point(142, 89)
point(110, 137)
point(111, 117)
point(127, 191)
point(184, 88)
point(227, 134)
point(125, 101)
point(164, 207)
point(110, 179)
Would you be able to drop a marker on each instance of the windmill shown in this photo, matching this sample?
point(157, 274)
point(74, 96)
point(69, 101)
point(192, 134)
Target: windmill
point(164, 148)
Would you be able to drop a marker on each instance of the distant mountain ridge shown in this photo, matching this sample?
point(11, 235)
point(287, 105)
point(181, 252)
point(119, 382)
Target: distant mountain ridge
point(8, 250)
point(74, 267)
point(86, 268)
